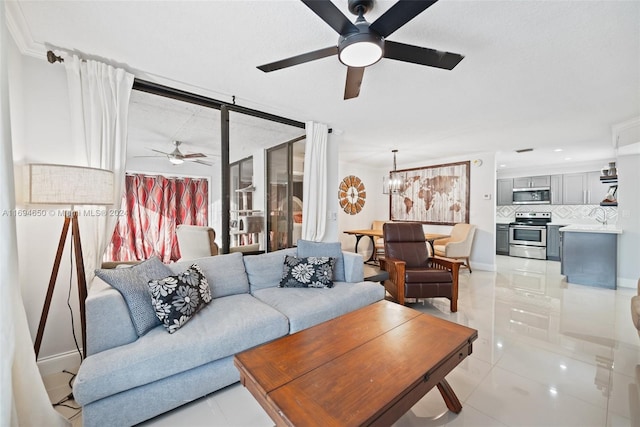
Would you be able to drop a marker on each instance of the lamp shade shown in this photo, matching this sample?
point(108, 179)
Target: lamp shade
point(67, 185)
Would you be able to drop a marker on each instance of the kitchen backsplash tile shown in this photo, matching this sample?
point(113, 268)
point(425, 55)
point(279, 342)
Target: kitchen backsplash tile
point(574, 214)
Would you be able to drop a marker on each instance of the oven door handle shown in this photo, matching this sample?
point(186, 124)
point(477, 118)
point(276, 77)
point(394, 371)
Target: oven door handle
point(527, 246)
point(529, 227)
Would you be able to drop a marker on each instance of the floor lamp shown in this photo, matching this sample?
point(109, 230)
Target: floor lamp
point(71, 186)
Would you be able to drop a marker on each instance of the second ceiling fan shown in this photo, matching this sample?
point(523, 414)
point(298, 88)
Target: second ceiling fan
point(362, 44)
point(176, 156)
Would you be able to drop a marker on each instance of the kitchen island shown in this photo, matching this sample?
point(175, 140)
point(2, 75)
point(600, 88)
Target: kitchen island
point(590, 254)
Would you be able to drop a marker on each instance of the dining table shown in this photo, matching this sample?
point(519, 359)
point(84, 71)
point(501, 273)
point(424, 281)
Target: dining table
point(373, 234)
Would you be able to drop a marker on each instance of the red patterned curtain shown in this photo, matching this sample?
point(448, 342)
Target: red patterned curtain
point(152, 207)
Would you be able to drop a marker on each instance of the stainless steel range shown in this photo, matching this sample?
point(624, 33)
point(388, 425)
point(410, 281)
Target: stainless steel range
point(528, 235)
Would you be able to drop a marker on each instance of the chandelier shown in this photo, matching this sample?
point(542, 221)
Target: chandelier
point(392, 184)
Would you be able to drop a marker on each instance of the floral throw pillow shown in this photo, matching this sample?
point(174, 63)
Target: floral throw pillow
point(176, 299)
point(309, 272)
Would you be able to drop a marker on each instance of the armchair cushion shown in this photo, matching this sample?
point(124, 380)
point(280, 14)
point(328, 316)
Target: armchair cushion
point(427, 275)
point(407, 243)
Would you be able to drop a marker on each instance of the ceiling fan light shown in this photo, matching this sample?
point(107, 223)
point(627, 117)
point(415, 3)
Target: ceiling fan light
point(361, 54)
point(176, 160)
point(360, 49)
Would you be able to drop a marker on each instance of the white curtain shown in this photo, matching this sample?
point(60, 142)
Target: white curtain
point(99, 96)
point(314, 215)
point(24, 400)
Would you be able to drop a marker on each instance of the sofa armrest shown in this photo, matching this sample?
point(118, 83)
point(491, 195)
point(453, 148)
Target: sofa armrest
point(109, 323)
point(353, 267)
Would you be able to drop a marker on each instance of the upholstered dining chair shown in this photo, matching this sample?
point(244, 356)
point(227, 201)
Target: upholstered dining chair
point(458, 245)
point(196, 241)
point(413, 273)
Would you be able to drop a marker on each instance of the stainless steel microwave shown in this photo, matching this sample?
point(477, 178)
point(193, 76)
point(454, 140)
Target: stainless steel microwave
point(531, 196)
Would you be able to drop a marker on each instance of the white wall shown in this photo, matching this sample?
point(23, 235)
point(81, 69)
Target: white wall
point(628, 220)
point(376, 206)
point(41, 133)
point(481, 210)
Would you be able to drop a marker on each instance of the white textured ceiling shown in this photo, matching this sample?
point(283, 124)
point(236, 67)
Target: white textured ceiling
point(540, 74)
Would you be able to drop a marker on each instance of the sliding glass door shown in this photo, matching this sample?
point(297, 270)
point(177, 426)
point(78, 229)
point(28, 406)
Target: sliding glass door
point(285, 171)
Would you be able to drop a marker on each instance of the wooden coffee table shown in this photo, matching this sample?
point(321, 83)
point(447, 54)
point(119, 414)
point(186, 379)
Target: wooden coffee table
point(368, 367)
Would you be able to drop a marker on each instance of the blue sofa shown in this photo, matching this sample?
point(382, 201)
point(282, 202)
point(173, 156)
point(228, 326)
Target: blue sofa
point(127, 379)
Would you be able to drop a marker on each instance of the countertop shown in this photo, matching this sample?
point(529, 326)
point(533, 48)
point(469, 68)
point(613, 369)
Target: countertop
point(590, 228)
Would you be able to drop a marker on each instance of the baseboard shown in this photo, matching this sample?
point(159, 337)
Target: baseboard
point(480, 266)
point(627, 283)
point(59, 362)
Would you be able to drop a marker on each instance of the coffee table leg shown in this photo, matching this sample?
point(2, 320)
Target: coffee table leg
point(449, 397)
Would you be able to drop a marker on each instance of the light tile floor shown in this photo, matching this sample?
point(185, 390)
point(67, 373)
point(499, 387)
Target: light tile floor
point(548, 354)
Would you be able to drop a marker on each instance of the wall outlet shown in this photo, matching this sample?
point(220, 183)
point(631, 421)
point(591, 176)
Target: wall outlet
point(626, 213)
point(332, 216)
point(487, 196)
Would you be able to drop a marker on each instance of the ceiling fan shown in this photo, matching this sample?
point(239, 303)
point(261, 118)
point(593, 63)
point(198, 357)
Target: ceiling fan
point(176, 157)
point(362, 44)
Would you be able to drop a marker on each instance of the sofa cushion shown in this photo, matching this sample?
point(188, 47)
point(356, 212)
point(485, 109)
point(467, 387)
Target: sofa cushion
point(305, 307)
point(309, 272)
point(265, 270)
point(176, 299)
point(307, 248)
point(224, 327)
point(132, 283)
point(225, 273)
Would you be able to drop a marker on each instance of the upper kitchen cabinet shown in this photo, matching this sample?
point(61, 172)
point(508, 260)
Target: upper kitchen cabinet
point(582, 188)
point(505, 190)
point(532, 181)
point(556, 189)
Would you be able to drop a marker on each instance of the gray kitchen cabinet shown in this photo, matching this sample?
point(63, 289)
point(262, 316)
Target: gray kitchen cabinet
point(504, 190)
point(532, 181)
point(582, 188)
point(502, 239)
point(590, 258)
point(595, 189)
point(553, 242)
point(556, 189)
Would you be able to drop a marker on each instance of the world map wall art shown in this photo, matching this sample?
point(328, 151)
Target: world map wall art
point(432, 194)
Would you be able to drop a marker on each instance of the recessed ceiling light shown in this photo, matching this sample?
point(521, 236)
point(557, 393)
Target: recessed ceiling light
point(503, 166)
point(558, 150)
point(567, 158)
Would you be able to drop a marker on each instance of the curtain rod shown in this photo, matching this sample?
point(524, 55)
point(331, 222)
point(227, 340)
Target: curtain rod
point(53, 58)
point(180, 95)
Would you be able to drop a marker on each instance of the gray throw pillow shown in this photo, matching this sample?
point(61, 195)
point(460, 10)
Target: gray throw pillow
point(307, 248)
point(133, 284)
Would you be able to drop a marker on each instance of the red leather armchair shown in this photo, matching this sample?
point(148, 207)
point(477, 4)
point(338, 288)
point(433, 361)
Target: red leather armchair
point(412, 272)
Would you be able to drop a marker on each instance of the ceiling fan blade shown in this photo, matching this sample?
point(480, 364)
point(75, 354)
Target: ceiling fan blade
point(300, 59)
point(330, 14)
point(202, 162)
point(421, 55)
point(158, 151)
point(398, 15)
point(193, 156)
point(354, 80)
